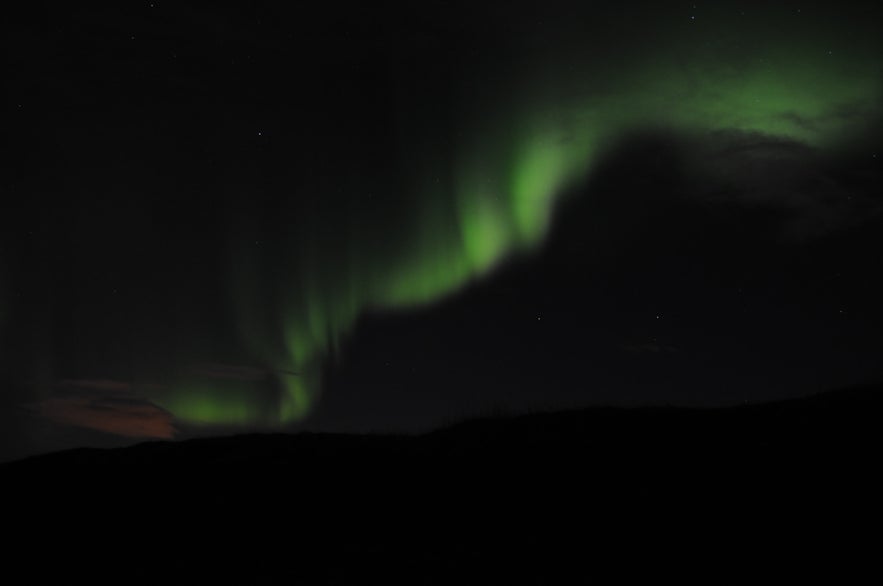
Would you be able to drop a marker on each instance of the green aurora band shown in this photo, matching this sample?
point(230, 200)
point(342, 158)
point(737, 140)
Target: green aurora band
point(522, 135)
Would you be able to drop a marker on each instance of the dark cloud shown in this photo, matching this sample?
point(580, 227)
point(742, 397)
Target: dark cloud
point(230, 372)
point(811, 193)
point(98, 384)
point(843, 115)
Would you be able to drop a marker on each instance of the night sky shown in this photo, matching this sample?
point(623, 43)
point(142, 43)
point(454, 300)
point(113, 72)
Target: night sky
point(368, 217)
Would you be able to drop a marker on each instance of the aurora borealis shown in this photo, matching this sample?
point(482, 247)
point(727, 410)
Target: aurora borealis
point(490, 194)
point(357, 171)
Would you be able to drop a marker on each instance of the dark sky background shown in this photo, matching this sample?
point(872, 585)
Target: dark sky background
point(361, 217)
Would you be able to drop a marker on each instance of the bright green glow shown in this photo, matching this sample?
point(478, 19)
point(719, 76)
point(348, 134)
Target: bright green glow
point(489, 194)
point(486, 233)
point(222, 403)
point(542, 169)
point(296, 401)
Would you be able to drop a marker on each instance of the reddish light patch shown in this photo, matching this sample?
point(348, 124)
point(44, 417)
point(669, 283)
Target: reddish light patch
point(127, 418)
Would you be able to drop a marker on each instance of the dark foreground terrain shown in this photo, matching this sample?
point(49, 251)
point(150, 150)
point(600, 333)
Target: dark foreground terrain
point(751, 493)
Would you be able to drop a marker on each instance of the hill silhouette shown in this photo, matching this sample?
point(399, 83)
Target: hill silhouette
point(534, 499)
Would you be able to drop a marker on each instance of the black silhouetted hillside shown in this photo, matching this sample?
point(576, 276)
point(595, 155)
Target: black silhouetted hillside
point(533, 499)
